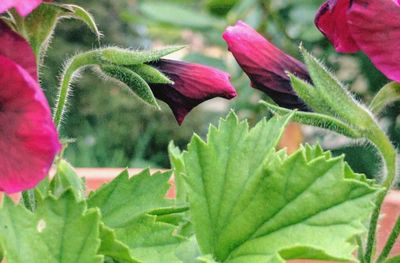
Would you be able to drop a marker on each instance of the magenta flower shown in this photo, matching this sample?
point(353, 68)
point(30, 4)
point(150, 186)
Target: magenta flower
point(28, 138)
point(23, 7)
point(265, 64)
point(371, 26)
point(193, 84)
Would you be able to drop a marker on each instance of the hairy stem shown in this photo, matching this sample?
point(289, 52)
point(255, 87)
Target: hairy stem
point(390, 241)
point(70, 71)
point(388, 154)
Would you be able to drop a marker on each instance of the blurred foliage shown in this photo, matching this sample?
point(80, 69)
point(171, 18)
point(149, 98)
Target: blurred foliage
point(113, 129)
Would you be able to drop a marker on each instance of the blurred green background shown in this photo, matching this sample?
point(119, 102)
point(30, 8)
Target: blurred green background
point(114, 129)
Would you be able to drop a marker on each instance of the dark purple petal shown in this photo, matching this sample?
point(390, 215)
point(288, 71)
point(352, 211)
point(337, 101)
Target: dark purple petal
point(375, 26)
point(28, 138)
point(331, 20)
point(193, 84)
point(265, 64)
point(16, 48)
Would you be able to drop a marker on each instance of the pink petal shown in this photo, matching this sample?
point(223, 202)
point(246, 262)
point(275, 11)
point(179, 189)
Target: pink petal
point(193, 84)
point(375, 26)
point(17, 49)
point(331, 20)
point(23, 7)
point(265, 64)
point(28, 138)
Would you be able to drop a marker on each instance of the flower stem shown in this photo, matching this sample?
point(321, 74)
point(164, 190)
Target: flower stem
point(388, 154)
point(70, 71)
point(390, 241)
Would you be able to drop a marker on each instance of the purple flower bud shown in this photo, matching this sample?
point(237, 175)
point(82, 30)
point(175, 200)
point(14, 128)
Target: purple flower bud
point(193, 84)
point(371, 26)
point(265, 64)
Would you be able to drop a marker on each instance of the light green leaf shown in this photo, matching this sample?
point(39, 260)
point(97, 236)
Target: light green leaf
point(60, 231)
point(150, 241)
point(189, 251)
point(66, 178)
point(125, 199)
point(176, 160)
point(389, 94)
point(395, 259)
point(127, 57)
point(112, 247)
point(130, 206)
point(132, 80)
point(177, 15)
point(250, 204)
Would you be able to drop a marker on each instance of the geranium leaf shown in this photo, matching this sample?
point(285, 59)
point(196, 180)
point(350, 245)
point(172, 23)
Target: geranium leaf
point(150, 241)
point(249, 203)
point(131, 206)
point(125, 199)
point(66, 178)
point(114, 248)
point(61, 231)
point(176, 160)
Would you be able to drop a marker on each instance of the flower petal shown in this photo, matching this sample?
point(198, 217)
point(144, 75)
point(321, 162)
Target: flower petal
point(28, 138)
point(265, 64)
point(17, 49)
point(23, 7)
point(193, 84)
point(375, 25)
point(331, 20)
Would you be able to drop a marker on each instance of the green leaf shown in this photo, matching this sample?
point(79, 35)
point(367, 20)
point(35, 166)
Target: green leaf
point(112, 247)
point(333, 96)
point(389, 94)
point(177, 15)
point(189, 251)
point(178, 165)
point(395, 259)
point(66, 178)
point(133, 81)
point(125, 199)
point(127, 57)
point(150, 241)
point(150, 74)
point(317, 120)
point(39, 26)
point(60, 231)
point(251, 204)
point(131, 206)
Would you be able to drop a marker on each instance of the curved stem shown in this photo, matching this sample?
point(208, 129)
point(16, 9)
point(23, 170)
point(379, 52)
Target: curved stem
point(388, 154)
point(390, 242)
point(70, 71)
